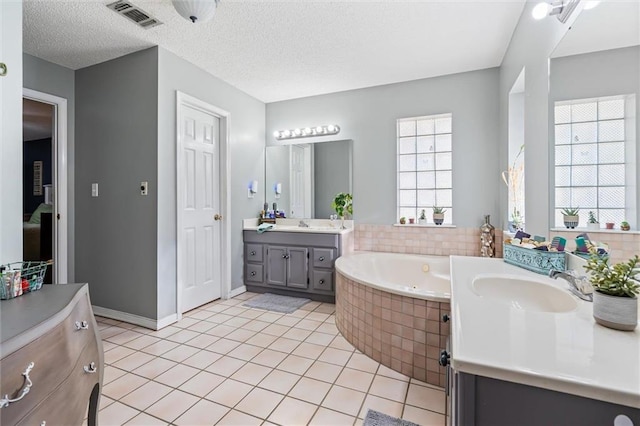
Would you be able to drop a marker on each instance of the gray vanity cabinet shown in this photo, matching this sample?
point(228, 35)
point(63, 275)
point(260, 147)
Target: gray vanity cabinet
point(291, 263)
point(287, 266)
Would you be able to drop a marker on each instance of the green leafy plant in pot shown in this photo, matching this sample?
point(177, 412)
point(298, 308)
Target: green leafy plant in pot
point(438, 215)
point(615, 300)
point(343, 205)
point(570, 217)
point(422, 220)
point(592, 222)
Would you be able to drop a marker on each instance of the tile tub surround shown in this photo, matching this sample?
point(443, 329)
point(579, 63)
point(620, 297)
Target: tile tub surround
point(431, 240)
point(400, 332)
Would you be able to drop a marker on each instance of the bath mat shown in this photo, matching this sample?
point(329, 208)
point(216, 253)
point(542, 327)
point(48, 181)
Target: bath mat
point(376, 418)
point(277, 303)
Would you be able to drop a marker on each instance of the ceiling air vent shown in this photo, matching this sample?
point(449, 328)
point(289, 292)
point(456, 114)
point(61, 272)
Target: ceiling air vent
point(134, 13)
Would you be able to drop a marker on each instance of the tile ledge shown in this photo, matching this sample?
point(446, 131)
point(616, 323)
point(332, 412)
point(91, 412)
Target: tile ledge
point(603, 231)
point(429, 225)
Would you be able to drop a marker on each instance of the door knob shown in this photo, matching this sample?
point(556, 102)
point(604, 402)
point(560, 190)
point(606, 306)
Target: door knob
point(3, 69)
point(217, 217)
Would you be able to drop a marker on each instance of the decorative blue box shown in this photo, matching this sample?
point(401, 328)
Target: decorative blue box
point(534, 260)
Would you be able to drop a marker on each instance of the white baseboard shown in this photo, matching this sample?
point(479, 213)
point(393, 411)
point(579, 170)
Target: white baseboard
point(135, 319)
point(236, 291)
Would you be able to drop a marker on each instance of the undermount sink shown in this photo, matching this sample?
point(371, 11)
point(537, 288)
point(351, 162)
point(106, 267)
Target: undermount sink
point(524, 294)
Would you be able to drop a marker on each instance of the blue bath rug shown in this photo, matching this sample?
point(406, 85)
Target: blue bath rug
point(376, 418)
point(277, 303)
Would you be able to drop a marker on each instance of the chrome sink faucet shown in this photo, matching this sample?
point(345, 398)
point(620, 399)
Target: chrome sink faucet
point(574, 283)
point(303, 224)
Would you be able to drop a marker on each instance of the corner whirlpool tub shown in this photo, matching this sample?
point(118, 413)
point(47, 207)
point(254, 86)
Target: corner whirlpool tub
point(390, 307)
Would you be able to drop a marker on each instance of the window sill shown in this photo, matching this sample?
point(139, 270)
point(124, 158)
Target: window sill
point(428, 225)
point(603, 231)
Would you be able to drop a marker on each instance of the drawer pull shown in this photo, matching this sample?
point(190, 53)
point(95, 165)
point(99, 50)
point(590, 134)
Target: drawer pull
point(43, 423)
point(321, 281)
point(321, 259)
point(253, 273)
point(4, 402)
point(253, 253)
point(91, 368)
point(82, 325)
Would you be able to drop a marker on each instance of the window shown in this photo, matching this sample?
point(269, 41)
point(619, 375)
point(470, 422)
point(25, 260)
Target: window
point(592, 140)
point(425, 165)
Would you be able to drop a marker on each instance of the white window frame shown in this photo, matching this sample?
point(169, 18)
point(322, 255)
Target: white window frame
point(437, 187)
point(628, 203)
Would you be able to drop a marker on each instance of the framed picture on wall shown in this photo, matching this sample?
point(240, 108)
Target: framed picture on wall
point(37, 178)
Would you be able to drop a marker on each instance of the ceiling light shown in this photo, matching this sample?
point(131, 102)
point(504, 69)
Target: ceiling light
point(561, 8)
point(331, 129)
point(541, 10)
point(196, 10)
point(591, 4)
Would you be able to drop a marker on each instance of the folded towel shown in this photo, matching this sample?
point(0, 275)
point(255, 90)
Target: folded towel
point(265, 227)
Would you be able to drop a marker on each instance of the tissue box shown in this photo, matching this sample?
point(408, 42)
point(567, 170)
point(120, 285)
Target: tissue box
point(534, 260)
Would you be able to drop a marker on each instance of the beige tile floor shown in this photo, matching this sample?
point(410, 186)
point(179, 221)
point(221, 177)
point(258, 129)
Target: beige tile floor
point(226, 364)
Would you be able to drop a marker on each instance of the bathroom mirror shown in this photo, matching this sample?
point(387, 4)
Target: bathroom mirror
point(308, 176)
point(593, 116)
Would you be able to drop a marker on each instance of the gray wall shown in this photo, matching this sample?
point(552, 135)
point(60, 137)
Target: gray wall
point(531, 44)
point(278, 169)
point(117, 132)
point(591, 75)
point(332, 169)
point(368, 117)
point(247, 130)
point(50, 78)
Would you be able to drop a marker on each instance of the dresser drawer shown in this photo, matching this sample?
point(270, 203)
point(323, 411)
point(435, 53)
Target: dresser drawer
point(253, 252)
point(254, 273)
point(68, 404)
point(53, 356)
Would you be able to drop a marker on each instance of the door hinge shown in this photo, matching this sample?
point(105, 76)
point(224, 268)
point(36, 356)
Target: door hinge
point(308, 280)
point(307, 255)
point(58, 216)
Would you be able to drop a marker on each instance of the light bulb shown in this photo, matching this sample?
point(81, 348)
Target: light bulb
point(276, 134)
point(319, 129)
point(540, 11)
point(331, 128)
point(287, 133)
point(591, 4)
point(307, 130)
point(298, 132)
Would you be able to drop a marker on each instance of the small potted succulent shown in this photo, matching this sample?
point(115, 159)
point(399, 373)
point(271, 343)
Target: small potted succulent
point(592, 223)
point(403, 220)
point(615, 299)
point(438, 215)
point(570, 217)
point(624, 225)
point(343, 205)
point(422, 220)
point(412, 221)
point(609, 225)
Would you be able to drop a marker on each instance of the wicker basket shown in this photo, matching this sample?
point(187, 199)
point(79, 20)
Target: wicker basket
point(18, 278)
point(534, 260)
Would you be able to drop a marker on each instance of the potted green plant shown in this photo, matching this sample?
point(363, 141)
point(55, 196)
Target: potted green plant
point(624, 225)
point(422, 220)
point(570, 217)
point(438, 215)
point(615, 301)
point(403, 220)
point(592, 223)
point(343, 205)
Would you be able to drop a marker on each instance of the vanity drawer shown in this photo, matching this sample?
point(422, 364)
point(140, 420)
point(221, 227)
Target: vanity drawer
point(322, 280)
point(69, 403)
point(53, 355)
point(323, 257)
point(253, 252)
point(254, 273)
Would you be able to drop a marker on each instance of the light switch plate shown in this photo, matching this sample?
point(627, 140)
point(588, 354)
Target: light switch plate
point(144, 188)
point(94, 189)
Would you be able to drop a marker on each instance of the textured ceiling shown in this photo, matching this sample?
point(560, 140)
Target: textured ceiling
point(277, 50)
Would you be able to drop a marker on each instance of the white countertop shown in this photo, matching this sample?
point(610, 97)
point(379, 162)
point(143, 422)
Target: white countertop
point(317, 226)
point(566, 352)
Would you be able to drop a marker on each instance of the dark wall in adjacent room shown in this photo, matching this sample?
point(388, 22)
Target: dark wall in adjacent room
point(37, 150)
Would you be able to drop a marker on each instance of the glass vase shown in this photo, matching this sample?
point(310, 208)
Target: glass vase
point(487, 238)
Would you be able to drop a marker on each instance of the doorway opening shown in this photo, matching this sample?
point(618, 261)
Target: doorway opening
point(44, 182)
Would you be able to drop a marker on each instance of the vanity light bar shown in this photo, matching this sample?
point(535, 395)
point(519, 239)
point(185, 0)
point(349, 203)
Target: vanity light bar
point(331, 129)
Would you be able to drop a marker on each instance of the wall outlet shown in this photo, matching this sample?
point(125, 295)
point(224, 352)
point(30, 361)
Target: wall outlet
point(144, 188)
point(94, 189)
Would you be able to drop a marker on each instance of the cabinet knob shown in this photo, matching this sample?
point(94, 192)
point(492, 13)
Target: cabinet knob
point(444, 358)
point(253, 273)
point(82, 325)
point(253, 253)
point(91, 368)
point(321, 258)
point(445, 318)
point(321, 281)
point(284, 256)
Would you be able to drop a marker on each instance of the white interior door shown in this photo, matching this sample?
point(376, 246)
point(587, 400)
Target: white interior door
point(199, 198)
point(300, 181)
